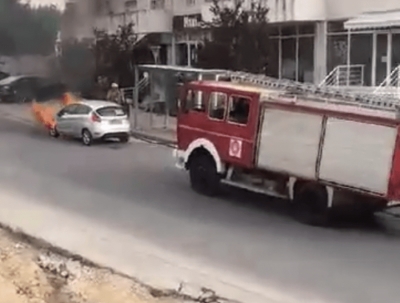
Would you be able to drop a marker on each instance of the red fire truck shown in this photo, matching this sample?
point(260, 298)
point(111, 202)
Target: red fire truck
point(321, 150)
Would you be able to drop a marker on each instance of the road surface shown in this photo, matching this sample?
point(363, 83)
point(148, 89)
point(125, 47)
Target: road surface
point(241, 233)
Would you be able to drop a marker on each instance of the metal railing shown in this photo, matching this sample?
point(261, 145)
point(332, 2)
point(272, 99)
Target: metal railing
point(129, 92)
point(345, 75)
point(391, 85)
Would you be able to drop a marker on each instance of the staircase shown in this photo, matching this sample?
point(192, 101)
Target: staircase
point(345, 76)
point(129, 92)
point(390, 87)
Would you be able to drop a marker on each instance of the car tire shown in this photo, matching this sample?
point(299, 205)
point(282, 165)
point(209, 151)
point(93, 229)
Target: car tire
point(87, 138)
point(53, 132)
point(204, 177)
point(124, 139)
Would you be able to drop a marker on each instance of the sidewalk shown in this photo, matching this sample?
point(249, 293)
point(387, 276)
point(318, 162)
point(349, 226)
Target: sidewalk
point(155, 127)
point(149, 126)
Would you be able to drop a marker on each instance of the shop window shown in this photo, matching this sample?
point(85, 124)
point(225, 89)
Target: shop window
point(395, 58)
point(361, 54)
point(217, 108)
point(305, 71)
point(337, 51)
point(289, 30)
point(239, 109)
point(273, 60)
point(289, 58)
point(274, 30)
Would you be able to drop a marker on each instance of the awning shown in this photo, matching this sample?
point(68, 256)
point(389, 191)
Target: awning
point(374, 20)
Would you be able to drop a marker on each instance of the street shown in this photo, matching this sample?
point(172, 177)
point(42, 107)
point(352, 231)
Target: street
point(137, 190)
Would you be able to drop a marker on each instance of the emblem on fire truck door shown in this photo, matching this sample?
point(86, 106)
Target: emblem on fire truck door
point(235, 148)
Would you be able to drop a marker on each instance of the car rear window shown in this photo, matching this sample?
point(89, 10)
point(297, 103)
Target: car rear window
point(111, 111)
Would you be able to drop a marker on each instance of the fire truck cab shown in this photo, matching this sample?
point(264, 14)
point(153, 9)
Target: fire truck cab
point(322, 156)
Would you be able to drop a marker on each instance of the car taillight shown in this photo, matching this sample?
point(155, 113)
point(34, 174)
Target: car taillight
point(95, 118)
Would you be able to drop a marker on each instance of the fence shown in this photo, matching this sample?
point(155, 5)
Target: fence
point(345, 75)
point(391, 85)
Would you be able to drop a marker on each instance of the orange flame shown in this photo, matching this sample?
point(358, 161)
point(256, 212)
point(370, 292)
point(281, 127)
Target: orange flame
point(45, 113)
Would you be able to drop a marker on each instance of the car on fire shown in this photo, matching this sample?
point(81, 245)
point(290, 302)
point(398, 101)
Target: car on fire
point(91, 120)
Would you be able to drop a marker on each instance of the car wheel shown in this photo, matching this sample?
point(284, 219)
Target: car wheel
point(87, 138)
point(53, 132)
point(124, 139)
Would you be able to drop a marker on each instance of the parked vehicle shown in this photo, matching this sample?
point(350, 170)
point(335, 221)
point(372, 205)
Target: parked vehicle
point(19, 89)
point(3, 75)
point(322, 154)
point(92, 120)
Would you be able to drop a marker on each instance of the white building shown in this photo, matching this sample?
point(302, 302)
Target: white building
point(356, 42)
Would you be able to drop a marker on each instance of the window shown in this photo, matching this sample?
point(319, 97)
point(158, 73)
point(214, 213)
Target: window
point(83, 110)
point(239, 109)
point(195, 101)
point(157, 4)
point(190, 2)
point(69, 110)
point(217, 106)
point(131, 4)
point(111, 111)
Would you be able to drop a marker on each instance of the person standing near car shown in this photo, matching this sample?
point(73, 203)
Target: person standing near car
point(115, 95)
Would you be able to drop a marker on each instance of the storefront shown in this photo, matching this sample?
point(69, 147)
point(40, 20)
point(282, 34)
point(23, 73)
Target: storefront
point(310, 51)
point(188, 33)
point(374, 41)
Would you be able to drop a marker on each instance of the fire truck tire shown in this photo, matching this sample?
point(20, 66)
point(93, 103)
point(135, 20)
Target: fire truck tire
point(311, 205)
point(204, 177)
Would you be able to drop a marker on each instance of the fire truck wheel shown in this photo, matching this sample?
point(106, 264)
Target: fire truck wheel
point(311, 205)
point(204, 177)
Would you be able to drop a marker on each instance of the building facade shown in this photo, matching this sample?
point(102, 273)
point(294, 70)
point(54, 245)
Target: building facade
point(322, 41)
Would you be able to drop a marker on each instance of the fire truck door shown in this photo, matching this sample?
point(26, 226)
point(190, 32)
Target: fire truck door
point(239, 130)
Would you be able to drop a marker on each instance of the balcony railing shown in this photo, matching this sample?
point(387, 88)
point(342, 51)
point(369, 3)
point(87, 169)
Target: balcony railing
point(391, 85)
point(345, 75)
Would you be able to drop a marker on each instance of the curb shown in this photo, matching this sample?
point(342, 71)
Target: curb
point(153, 139)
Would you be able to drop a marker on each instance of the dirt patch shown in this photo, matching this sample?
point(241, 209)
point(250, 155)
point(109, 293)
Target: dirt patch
point(31, 275)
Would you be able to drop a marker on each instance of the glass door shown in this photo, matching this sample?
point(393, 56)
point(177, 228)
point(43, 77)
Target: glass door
point(381, 58)
point(395, 59)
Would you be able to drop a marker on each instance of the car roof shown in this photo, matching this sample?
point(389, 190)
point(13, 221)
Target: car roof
point(12, 79)
point(96, 104)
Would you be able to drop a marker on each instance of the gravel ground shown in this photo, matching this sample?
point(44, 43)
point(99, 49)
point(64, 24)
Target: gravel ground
point(30, 274)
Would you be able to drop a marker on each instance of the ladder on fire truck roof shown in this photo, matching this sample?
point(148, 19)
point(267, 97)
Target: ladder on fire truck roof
point(316, 93)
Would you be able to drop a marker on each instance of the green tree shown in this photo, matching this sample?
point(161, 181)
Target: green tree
point(113, 54)
point(27, 30)
point(239, 38)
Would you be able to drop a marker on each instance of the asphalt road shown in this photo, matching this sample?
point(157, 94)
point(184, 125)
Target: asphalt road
point(245, 233)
